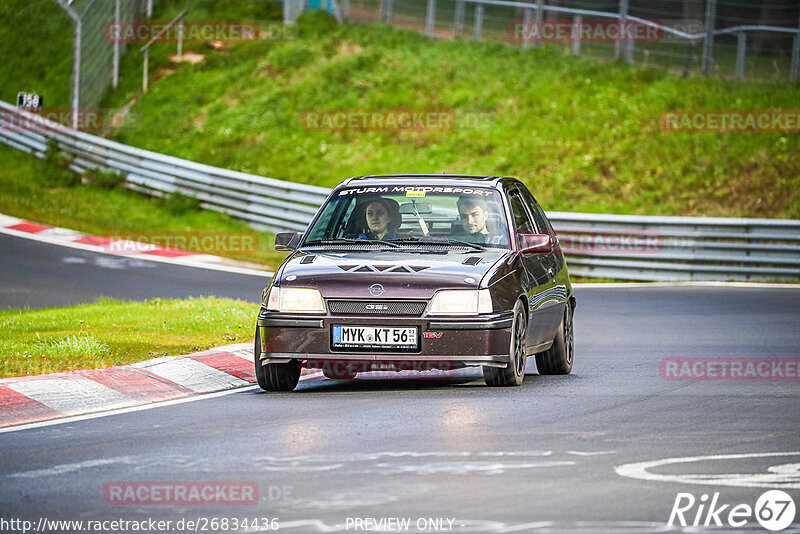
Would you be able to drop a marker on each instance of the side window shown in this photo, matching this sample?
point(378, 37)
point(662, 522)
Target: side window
point(522, 222)
point(542, 226)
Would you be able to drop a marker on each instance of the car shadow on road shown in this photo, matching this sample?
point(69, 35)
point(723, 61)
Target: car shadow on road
point(422, 383)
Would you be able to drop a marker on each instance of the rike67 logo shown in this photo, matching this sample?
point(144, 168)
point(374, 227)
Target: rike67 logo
point(774, 510)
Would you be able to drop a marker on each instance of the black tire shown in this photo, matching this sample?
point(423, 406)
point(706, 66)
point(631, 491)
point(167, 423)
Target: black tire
point(514, 373)
point(275, 376)
point(557, 360)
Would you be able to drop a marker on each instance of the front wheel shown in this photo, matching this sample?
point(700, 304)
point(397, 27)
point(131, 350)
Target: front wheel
point(514, 373)
point(275, 376)
point(557, 360)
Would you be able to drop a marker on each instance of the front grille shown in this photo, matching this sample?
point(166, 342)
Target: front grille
point(376, 307)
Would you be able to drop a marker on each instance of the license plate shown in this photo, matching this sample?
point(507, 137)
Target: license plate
point(374, 337)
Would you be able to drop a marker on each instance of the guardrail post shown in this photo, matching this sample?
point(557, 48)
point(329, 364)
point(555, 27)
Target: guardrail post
point(577, 21)
point(386, 11)
point(430, 19)
point(458, 26)
point(740, 50)
point(708, 47)
point(476, 31)
point(538, 20)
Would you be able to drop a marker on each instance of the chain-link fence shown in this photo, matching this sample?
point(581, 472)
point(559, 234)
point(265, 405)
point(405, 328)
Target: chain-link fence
point(96, 56)
point(757, 40)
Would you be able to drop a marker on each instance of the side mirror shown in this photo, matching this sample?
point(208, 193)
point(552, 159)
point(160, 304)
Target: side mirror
point(535, 243)
point(287, 241)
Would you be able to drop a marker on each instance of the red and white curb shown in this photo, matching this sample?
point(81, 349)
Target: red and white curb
point(118, 247)
point(31, 399)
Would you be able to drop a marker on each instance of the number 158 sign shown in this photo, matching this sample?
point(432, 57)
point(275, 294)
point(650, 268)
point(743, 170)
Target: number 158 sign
point(29, 101)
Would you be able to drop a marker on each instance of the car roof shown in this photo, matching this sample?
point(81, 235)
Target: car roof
point(430, 179)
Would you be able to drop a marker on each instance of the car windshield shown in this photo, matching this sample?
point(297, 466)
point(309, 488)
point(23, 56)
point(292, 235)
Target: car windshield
point(413, 215)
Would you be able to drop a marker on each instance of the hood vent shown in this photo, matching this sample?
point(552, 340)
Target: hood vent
point(472, 260)
point(383, 268)
point(308, 259)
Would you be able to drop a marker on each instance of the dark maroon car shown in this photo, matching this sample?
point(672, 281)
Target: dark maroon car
point(418, 272)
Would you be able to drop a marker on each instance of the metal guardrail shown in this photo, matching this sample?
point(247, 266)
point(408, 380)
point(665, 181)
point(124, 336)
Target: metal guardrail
point(607, 246)
point(263, 202)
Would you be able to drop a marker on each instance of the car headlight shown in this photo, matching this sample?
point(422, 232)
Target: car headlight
point(461, 302)
point(295, 300)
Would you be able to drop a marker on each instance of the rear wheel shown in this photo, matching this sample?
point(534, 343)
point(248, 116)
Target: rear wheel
point(514, 373)
point(557, 360)
point(275, 376)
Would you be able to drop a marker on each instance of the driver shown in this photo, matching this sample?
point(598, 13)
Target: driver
point(474, 212)
point(383, 219)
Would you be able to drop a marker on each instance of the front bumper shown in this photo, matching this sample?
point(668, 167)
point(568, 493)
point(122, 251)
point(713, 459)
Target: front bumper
point(445, 342)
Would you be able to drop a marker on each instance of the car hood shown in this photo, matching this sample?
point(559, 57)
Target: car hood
point(399, 274)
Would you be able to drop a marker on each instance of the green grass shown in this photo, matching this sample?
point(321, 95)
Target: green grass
point(36, 51)
point(43, 192)
point(583, 135)
point(112, 332)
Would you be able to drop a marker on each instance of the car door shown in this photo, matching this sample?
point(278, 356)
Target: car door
point(535, 270)
point(553, 298)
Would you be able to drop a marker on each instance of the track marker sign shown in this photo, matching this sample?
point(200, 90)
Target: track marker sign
point(29, 101)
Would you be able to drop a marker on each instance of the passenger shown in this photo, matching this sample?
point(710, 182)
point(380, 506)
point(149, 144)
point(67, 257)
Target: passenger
point(474, 212)
point(383, 219)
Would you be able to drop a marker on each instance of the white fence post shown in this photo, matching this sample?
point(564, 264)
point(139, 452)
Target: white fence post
point(458, 27)
point(621, 46)
point(708, 47)
point(794, 71)
point(527, 17)
point(538, 21)
point(386, 11)
point(577, 21)
point(740, 51)
point(476, 31)
point(430, 19)
point(116, 35)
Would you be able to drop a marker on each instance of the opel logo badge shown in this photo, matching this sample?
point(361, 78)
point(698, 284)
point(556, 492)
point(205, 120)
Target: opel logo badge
point(376, 290)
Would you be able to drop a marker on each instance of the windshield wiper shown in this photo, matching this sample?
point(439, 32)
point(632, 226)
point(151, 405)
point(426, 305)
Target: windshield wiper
point(339, 240)
point(427, 240)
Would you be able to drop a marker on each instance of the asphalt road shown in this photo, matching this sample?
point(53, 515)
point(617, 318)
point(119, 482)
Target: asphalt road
point(40, 275)
point(539, 458)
